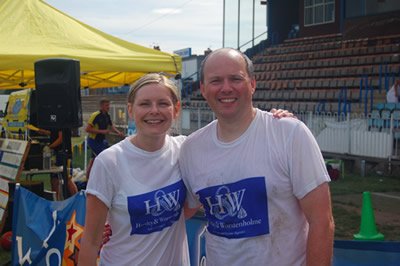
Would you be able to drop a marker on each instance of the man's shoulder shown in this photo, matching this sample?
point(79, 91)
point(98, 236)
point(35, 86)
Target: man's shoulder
point(206, 130)
point(280, 127)
point(94, 114)
point(268, 118)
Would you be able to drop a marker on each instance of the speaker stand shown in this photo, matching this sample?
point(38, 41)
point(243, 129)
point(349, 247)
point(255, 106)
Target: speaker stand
point(64, 155)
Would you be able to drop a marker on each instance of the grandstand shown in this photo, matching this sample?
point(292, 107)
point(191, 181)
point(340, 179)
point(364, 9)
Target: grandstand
point(331, 62)
point(324, 74)
point(333, 70)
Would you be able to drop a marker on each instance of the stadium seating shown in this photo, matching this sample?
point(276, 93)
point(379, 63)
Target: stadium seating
point(319, 68)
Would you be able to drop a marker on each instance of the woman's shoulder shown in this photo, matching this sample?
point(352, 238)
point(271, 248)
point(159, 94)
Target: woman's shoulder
point(179, 139)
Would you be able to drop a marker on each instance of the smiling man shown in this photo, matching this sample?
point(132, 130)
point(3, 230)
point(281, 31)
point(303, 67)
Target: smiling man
point(262, 181)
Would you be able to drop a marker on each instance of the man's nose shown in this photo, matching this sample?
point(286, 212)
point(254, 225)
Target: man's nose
point(226, 85)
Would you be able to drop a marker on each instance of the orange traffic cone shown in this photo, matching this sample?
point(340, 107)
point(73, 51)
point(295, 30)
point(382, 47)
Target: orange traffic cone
point(368, 229)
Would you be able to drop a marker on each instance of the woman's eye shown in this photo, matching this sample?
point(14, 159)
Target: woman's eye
point(164, 104)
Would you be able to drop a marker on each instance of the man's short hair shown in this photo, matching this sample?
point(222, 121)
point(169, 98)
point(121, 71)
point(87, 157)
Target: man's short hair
point(249, 63)
point(104, 100)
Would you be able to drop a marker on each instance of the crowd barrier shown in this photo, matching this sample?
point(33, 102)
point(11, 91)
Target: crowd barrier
point(49, 232)
point(350, 134)
point(345, 252)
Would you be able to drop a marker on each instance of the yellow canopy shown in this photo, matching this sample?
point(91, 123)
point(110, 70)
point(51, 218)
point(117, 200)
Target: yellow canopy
point(32, 30)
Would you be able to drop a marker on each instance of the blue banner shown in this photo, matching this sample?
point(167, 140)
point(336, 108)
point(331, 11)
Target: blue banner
point(46, 232)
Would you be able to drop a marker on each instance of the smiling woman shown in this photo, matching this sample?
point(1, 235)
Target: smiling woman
point(136, 184)
point(153, 106)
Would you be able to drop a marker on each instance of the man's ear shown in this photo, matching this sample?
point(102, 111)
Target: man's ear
point(202, 89)
point(253, 84)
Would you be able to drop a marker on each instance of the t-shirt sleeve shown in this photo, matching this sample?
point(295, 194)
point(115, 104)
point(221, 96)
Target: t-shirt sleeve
point(306, 164)
point(92, 118)
point(100, 184)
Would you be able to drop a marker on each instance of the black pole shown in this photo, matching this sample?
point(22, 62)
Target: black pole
point(64, 155)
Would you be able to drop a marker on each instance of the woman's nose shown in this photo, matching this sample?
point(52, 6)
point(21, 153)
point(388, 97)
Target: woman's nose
point(154, 108)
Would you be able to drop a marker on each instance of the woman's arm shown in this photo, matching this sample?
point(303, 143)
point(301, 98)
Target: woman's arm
point(96, 214)
point(189, 212)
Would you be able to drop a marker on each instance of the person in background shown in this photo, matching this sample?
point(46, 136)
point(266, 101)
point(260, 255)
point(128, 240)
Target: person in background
point(56, 145)
point(393, 94)
point(98, 126)
point(262, 182)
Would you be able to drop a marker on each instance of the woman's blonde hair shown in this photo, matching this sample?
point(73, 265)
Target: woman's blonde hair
point(150, 79)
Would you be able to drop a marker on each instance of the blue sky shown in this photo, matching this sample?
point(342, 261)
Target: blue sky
point(172, 24)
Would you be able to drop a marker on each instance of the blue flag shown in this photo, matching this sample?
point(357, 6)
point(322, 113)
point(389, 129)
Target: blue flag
point(46, 232)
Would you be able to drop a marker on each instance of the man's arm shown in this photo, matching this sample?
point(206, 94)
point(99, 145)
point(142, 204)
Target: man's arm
point(316, 206)
point(119, 133)
point(91, 129)
point(57, 142)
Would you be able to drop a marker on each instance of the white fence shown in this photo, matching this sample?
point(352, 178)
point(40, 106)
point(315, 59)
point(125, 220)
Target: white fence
point(351, 134)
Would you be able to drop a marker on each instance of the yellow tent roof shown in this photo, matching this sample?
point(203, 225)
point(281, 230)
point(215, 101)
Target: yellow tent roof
point(32, 30)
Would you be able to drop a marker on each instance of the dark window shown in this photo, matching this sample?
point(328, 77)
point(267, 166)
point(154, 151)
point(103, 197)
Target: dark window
point(318, 12)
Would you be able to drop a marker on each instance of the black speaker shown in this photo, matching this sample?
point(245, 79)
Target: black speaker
point(58, 95)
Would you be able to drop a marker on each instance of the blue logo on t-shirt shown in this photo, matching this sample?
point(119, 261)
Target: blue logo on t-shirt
point(155, 210)
point(237, 210)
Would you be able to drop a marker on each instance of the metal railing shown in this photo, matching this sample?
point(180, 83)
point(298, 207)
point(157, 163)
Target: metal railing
point(344, 133)
point(347, 134)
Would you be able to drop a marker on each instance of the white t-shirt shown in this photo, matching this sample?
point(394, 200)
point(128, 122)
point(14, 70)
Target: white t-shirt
point(391, 96)
point(250, 189)
point(145, 196)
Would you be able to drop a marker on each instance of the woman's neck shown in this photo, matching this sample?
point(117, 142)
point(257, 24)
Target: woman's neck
point(148, 143)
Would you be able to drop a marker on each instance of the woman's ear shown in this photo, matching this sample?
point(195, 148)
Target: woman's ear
point(177, 108)
point(130, 111)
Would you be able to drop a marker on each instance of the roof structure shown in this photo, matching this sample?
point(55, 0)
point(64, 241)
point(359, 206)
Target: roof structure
point(32, 30)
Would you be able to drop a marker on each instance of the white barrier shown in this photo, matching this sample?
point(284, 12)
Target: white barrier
point(342, 134)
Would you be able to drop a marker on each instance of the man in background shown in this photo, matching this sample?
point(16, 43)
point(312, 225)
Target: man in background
point(98, 126)
point(62, 151)
point(393, 94)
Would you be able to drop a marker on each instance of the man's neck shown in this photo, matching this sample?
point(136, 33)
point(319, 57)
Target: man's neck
point(230, 130)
